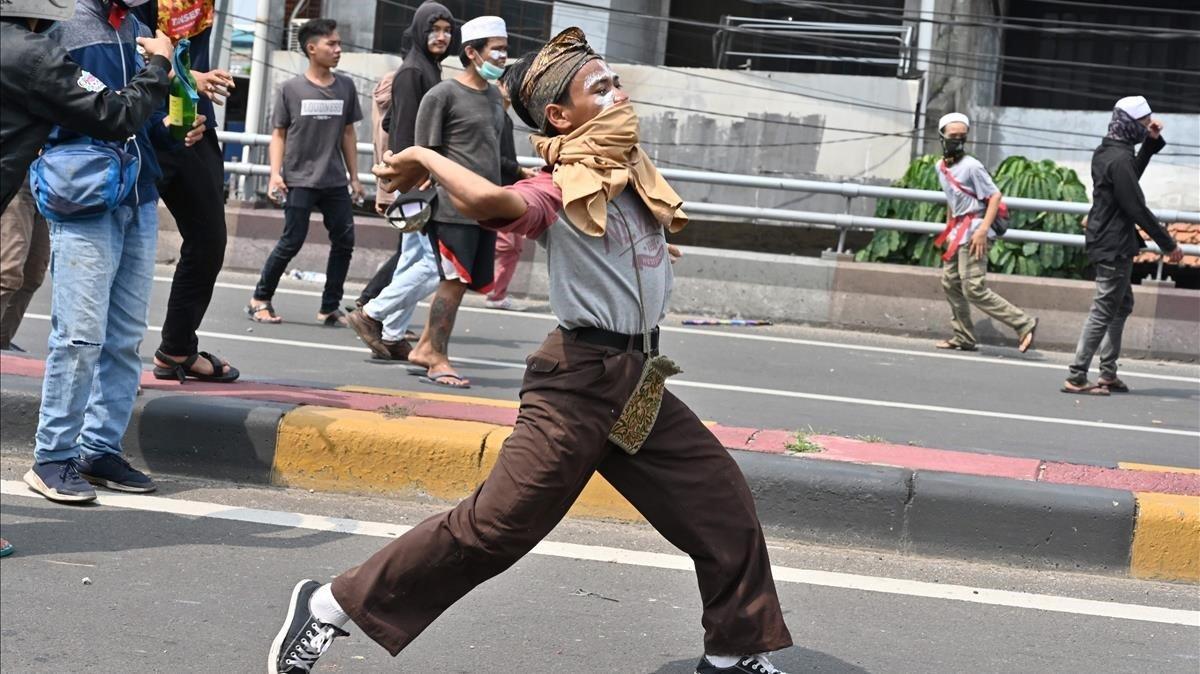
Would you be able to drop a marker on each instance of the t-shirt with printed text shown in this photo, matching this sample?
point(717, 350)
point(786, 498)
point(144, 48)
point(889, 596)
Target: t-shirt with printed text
point(315, 118)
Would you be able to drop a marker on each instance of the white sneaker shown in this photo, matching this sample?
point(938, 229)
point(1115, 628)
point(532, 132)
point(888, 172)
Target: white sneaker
point(505, 304)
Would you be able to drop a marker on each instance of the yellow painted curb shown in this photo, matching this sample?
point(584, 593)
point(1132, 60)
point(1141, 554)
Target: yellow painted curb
point(1166, 537)
point(1155, 468)
point(599, 499)
point(439, 397)
point(351, 450)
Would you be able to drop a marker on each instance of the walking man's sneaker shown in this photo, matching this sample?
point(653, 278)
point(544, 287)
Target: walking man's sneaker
point(114, 472)
point(750, 664)
point(59, 481)
point(303, 638)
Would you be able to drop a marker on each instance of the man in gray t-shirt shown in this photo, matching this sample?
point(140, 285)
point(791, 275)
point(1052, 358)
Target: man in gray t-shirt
point(463, 124)
point(314, 155)
point(972, 204)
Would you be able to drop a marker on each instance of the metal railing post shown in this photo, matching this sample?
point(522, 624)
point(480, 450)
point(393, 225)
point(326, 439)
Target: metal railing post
point(841, 244)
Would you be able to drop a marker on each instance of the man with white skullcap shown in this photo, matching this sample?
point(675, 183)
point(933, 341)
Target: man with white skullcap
point(973, 211)
point(1118, 208)
point(463, 119)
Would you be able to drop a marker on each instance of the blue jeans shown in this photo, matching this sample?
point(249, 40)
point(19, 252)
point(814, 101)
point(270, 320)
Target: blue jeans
point(102, 270)
point(415, 278)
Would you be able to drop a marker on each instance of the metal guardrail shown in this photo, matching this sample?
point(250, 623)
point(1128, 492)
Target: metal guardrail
point(843, 222)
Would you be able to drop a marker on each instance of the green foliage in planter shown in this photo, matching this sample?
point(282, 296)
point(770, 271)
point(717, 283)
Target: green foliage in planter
point(1015, 177)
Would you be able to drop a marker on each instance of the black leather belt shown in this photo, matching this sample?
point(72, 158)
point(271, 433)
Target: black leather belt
point(612, 340)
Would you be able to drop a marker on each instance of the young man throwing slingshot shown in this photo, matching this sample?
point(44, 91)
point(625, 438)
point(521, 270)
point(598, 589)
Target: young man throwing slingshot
point(592, 399)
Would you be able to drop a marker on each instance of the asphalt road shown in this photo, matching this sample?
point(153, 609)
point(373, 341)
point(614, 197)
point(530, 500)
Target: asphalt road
point(789, 377)
point(197, 578)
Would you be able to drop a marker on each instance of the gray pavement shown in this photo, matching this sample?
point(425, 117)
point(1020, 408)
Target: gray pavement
point(792, 377)
point(190, 593)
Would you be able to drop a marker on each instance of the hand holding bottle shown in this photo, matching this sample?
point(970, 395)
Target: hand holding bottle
point(159, 45)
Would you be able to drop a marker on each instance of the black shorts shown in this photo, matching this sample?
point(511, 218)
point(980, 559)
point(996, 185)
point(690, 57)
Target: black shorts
point(464, 253)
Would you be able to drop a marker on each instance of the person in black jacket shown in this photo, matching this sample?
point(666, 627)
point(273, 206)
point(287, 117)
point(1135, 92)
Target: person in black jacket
point(40, 87)
point(430, 37)
point(1118, 206)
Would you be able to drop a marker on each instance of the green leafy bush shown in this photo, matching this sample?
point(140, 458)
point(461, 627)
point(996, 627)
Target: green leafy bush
point(1015, 177)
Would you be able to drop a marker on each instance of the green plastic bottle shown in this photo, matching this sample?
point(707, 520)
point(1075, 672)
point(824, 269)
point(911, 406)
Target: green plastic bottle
point(181, 104)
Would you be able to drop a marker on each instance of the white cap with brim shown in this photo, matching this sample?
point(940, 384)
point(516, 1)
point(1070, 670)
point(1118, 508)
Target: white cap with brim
point(50, 10)
point(483, 27)
point(1135, 106)
point(952, 117)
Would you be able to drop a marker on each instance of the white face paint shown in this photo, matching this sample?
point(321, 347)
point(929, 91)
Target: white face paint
point(606, 100)
point(498, 55)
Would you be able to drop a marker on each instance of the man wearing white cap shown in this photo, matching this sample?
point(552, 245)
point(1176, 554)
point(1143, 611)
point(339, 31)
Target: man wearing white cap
point(1118, 207)
point(972, 206)
point(462, 119)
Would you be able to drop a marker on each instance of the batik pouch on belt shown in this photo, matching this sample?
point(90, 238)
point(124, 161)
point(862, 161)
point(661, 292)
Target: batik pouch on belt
point(641, 410)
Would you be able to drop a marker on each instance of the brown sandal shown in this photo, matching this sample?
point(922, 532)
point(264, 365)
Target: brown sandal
point(951, 345)
point(1088, 389)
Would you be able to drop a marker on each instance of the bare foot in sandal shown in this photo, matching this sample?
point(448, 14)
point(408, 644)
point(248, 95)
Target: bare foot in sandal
point(333, 319)
point(262, 312)
point(1087, 388)
point(951, 345)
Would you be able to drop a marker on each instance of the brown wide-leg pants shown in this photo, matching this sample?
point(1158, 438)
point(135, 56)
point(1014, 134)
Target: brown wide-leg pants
point(683, 481)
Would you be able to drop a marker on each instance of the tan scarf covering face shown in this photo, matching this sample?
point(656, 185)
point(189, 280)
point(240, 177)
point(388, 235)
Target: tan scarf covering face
point(595, 162)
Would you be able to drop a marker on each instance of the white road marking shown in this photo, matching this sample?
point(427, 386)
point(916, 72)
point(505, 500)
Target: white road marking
point(731, 388)
point(598, 553)
point(794, 341)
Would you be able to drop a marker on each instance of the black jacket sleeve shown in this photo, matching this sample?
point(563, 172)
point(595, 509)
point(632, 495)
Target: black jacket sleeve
point(1150, 147)
point(56, 90)
point(1128, 195)
point(510, 170)
point(407, 91)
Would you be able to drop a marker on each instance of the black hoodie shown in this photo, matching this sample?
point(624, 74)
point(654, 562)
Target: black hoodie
point(417, 75)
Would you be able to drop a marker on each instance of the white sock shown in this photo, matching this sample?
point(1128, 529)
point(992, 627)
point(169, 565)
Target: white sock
point(326, 609)
point(722, 661)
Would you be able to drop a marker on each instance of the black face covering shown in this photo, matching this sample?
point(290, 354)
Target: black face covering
point(953, 148)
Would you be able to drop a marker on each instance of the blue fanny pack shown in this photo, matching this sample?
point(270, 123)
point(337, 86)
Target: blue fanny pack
point(82, 179)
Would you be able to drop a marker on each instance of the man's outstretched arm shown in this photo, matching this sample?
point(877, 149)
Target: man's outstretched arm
point(474, 196)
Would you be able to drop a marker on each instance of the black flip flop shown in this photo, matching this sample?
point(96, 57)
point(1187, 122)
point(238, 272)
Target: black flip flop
point(182, 370)
point(251, 310)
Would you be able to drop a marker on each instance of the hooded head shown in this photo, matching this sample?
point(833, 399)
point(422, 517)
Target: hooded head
point(430, 38)
point(1130, 119)
point(954, 128)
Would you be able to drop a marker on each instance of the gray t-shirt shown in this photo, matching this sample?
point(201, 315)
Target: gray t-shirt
point(315, 118)
point(592, 280)
point(462, 124)
point(971, 174)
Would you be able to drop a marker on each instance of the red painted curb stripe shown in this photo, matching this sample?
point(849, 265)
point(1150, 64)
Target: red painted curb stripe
point(732, 437)
point(1184, 484)
point(922, 458)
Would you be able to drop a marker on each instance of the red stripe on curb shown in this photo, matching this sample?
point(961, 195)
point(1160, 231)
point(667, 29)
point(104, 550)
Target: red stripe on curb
point(1183, 484)
point(733, 437)
point(922, 458)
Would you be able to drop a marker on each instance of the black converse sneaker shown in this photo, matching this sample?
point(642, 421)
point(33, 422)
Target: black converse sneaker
point(303, 638)
point(748, 664)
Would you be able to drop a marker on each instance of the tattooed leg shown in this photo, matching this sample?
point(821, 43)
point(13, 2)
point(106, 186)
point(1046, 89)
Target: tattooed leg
point(432, 351)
